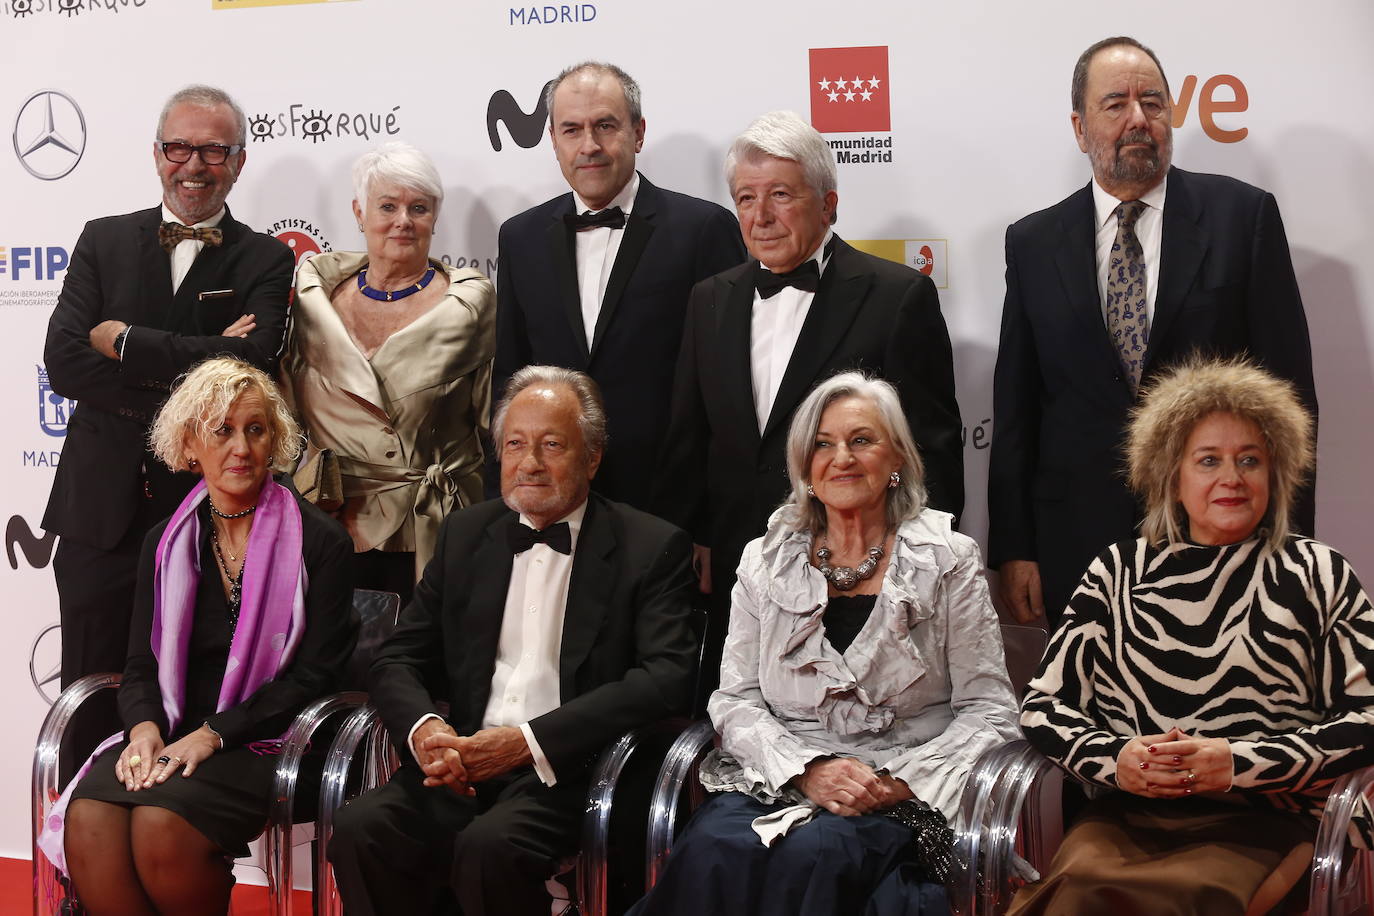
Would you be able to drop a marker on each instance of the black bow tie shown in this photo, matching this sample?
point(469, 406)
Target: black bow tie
point(610, 218)
point(523, 537)
point(807, 278)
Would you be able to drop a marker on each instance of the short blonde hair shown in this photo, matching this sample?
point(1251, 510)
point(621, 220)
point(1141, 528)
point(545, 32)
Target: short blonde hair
point(203, 397)
point(904, 501)
point(1171, 408)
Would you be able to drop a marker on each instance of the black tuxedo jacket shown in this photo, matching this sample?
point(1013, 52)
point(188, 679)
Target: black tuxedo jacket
point(671, 241)
point(119, 271)
point(627, 654)
point(1057, 487)
point(720, 477)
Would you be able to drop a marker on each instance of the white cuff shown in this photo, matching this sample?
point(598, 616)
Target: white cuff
point(410, 736)
point(542, 768)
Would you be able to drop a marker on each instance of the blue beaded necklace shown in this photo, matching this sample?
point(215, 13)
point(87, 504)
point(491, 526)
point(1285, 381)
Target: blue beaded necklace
point(392, 295)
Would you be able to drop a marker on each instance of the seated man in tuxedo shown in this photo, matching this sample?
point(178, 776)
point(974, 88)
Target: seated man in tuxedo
point(552, 621)
point(597, 279)
point(760, 336)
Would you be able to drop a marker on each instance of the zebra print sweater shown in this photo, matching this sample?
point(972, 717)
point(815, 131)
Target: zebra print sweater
point(1270, 651)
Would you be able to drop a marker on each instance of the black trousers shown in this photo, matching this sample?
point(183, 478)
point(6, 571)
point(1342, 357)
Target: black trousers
point(396, 848)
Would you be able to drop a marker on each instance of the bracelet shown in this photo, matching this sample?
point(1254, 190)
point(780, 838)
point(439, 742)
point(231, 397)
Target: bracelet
point(218, 736)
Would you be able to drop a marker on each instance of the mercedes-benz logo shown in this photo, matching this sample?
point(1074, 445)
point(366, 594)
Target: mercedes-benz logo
point(49, 134)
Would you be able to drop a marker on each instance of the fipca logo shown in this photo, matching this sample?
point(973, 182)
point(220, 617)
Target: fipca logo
point(317, 125)
point(850, 93)
point(49, 134)
point(927, 256)
point(21, 265)
point(53, 409)
point(301, 237)
point(525, 129)
point(22, 9)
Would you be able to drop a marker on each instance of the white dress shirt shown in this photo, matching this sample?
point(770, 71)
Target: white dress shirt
point(773, 331)
point(184, 255)
point(1149, 229)
point(525, 682)
point(596, 251)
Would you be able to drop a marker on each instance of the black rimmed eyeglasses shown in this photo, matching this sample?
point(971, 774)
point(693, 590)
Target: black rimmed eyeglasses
point(210, 153)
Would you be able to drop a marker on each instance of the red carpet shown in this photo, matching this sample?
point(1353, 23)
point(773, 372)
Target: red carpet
point(16, 893)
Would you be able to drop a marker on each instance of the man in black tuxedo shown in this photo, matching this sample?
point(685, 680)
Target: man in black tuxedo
point(759, 337)
point(1105, 289)
point(552, 624)
point(147, 296)
point(597, 280)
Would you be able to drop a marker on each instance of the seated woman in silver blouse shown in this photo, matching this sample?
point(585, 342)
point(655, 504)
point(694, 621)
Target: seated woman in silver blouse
point(863, 668)
point(389, 367)
point(1209, 681)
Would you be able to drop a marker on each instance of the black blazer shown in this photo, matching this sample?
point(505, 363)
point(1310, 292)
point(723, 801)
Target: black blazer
point(627, 654)
point(118, 271)
point(721, 478)
point(671, 241)
point(1057, 492)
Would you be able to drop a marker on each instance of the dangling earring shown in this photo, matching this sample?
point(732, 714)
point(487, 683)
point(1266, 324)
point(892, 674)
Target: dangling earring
point(894, 481)
point(810, 491)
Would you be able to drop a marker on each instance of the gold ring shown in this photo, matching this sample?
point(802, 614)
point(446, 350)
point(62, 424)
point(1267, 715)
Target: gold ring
point(135, 760)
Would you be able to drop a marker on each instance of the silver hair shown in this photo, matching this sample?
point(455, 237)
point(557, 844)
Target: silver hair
point(204, 97)
point(591, 413)
point(785, 135)
point(396, 162)
point(633, 98)
point(904, 501)
point(203, 397)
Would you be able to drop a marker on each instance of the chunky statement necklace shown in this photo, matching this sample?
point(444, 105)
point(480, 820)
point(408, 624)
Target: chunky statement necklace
point(382, 295)
point(846, 577)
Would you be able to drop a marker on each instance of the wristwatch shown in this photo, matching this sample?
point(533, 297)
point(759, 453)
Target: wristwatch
point(119, 341)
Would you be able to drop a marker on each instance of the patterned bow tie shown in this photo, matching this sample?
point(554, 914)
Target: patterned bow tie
point(806, 278)
point(170, 235)
point(610, 218)
point(523, 537)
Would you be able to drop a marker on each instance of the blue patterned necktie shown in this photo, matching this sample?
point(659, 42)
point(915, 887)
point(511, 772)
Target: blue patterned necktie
point(1127, 322)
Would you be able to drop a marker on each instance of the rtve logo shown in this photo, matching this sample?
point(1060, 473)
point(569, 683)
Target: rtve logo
point(1209, 106)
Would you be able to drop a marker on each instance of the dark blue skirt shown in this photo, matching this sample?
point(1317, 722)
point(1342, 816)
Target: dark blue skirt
point(833, 864)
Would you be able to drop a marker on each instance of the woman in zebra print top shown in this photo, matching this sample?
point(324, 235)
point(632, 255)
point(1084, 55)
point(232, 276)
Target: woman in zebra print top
point(1214, 672)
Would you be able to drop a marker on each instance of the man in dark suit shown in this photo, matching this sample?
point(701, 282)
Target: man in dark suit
point(147, 296)
point(551, 623)
point(1104, 290)
point(597, 280)
point(759, 337)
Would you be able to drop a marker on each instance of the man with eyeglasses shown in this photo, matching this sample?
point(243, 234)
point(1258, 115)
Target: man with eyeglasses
point(147, 296)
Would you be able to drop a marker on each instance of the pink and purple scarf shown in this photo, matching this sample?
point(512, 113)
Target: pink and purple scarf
point(270, 625)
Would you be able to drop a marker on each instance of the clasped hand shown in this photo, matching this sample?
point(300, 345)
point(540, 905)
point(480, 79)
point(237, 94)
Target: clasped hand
point(141, 764)
point(459, 762)
point(849, 787)
point(1174, 764)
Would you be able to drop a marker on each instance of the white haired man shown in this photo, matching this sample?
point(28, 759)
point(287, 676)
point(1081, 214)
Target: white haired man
point(761, 335)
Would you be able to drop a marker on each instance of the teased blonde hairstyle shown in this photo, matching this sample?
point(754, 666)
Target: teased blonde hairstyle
point(904, 501)
point(203, 397)
point(1173, 405)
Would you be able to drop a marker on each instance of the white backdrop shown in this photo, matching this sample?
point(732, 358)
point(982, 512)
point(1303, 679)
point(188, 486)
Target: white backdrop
point(979, 134)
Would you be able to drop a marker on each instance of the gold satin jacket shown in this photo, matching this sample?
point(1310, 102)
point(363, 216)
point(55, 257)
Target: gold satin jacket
point(408, 424)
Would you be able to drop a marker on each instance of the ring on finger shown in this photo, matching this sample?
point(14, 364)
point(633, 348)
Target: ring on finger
point(164, 760)
point(135, 760)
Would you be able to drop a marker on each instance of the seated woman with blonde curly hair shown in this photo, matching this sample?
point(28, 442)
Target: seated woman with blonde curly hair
point(1210, 680)
point(241, 617)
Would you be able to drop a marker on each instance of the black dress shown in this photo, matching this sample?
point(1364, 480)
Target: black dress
point(227, 798)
